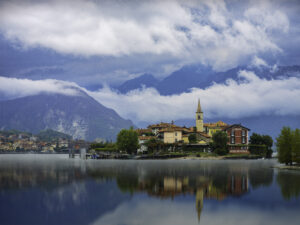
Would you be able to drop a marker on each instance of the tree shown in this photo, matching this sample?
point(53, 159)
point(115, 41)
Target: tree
point(154, 144)
point(261, 145)
point(192, 138)
point(219, 144)
point(127, 140)
point(268, 141)
point(284, 146)
point(296, 146)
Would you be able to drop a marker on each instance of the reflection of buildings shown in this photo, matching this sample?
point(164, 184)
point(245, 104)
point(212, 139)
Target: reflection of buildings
point(237, 184)
point(202, 187)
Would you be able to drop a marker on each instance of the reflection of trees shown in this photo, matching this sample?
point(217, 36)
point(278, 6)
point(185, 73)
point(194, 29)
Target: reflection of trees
point(260, 176)
point(161, 179)
point(289, 182)
point(127, 183)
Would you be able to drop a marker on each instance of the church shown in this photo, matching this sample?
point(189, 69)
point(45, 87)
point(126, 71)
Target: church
point(202, 133)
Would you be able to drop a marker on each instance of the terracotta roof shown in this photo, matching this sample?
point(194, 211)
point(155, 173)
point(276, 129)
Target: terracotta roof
point(162, 125)
point(217, 124)
point(204, 134)
point(171, 129)
point(143, 131)
point(146, 137)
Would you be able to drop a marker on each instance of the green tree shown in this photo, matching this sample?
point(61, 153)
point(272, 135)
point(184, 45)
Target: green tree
point(296, 146)
point(261, 145)
point(219, 144)
point(284, 146)
point(154, 144)
point(192, 138)
point(127, 140)
point(268, 142)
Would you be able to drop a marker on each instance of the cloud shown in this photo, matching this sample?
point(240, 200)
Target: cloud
point(251, 96)
point(164, 212)
point(15, 88)
point(258, 62)
point(191, 31)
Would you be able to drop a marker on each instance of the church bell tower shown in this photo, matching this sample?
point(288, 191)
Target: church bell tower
point(199, 118)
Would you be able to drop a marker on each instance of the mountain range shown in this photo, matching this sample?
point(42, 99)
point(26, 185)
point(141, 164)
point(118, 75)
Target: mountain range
point(199, 76)
point(80, 116)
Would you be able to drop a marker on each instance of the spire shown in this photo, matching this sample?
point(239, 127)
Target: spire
point(199, 106)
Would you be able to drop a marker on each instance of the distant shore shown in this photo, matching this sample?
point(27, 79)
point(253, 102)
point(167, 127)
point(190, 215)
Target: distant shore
point(285, 167)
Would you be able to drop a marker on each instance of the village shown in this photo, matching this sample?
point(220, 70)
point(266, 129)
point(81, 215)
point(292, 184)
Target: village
point(196, 137)
point(16, 141)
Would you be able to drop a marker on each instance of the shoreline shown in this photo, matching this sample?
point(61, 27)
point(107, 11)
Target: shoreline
point(285, 167)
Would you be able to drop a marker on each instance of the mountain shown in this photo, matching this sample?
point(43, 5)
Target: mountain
point(201, 77)
point(80, 116)
point(52, 135)
point(146, 80)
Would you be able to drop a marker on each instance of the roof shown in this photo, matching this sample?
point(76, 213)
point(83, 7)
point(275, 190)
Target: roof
point(203, 134)
point(161, 125)
point(171, 129)
point(235, 125)
point(146, 137)
point(216, 124)
point(143, 131)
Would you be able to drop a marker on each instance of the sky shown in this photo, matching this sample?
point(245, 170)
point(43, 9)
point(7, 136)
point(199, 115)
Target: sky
point(50, 45)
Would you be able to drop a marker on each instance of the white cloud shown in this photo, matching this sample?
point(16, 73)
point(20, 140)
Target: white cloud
point(251, 96)
point(192, 31)
point(258, 62)
point(16, 88)
point(165, 212)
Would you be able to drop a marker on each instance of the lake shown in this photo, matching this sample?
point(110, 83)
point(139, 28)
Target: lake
point(53, 189)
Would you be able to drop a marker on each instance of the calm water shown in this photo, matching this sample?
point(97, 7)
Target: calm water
point(52, 189)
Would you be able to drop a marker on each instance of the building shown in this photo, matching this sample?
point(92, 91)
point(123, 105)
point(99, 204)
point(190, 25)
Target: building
point(142, 142)
point(238, 138)
point(170, 133)
point(211, 128)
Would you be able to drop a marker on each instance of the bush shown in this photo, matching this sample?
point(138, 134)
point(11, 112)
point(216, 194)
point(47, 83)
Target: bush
point(258, 150)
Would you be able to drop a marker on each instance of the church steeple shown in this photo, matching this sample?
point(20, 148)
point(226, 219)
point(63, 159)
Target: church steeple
point(199, 107)
point(199, 118)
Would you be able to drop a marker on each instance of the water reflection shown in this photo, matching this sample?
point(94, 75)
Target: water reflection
point(289, 182)
point(67, 191)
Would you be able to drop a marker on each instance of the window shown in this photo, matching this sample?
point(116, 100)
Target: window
point(232, 132)
point(232, 140)
point(175, 133)
point(243, 140)
point(199, 117)
point(175, 139)
point(243, 133)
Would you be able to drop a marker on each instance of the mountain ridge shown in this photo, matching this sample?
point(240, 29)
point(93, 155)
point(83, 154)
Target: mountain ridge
point(80, 116)
point(198, 76)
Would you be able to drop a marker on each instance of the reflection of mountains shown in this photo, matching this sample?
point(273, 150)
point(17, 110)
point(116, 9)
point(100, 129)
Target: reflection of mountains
point(71, 185)
point(48, 176)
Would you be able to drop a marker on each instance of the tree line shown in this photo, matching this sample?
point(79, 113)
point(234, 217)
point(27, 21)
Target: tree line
point(288, 146)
